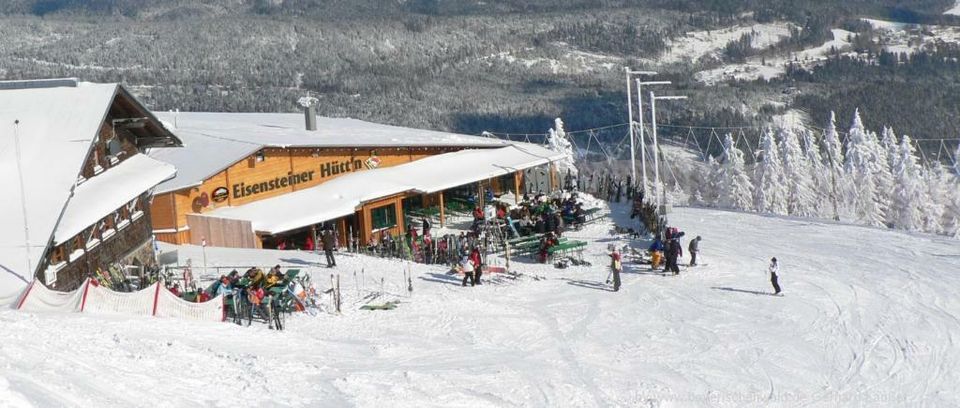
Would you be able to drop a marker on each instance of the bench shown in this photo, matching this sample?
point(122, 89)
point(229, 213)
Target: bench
point(569, 246)
point(533, 247)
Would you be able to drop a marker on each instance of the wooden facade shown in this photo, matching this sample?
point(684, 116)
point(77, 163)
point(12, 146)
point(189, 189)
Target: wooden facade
point(124, 234)
point(269, 173)
point(274, 171)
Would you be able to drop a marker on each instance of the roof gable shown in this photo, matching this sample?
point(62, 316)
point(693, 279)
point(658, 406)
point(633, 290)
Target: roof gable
point(46, 134)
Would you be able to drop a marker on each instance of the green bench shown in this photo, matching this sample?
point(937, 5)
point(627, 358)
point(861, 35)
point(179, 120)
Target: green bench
point(457, 207)
point(564, 247)
point(533, 247)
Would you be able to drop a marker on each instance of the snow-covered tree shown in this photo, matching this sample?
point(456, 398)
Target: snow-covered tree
point(890, 146)
point(733, 186)
point(697, 197)
point(932, 210)
point(558, 142)
point(956, 162)
point(909, 192)
point(796, 174)
point(833, 163)
point(770, 192)
point(952, 202)
point(708, 178)
point(819, 176)
point(860, 169)
point(882, 175)
point(677, 196)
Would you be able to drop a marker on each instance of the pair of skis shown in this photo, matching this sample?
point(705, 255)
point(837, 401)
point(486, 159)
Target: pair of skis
point(335, 292)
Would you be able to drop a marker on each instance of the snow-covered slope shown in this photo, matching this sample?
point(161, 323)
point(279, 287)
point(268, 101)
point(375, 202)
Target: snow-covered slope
point(955, 10)
point(696, 45)
point(870, 318)
point(771, 67)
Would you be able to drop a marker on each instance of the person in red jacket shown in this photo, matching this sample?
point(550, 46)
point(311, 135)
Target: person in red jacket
point(308, 245)
point(477, 262)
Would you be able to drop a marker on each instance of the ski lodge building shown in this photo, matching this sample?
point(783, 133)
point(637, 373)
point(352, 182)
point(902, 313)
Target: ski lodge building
point(75, 181)
point(267, 180)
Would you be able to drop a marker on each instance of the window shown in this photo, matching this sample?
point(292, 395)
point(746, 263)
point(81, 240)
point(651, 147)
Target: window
point(384, 217)
point(58, 255)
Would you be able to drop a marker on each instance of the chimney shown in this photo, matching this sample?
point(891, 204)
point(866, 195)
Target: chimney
point(309, 105)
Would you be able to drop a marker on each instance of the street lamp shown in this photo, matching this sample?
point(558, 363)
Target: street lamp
point(643, 144)
point(656, 147)
point(633, 160)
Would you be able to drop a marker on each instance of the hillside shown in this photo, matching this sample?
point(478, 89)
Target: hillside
point(869, 318)
point(504, 65)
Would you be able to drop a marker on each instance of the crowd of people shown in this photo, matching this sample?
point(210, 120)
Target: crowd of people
point(545, 215)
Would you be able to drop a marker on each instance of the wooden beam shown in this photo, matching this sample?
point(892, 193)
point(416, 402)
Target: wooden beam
point(516, 186)
point(443, 217)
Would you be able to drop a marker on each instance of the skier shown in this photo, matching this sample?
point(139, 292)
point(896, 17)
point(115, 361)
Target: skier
point(615, 266)
point(673, 253)
point(477, 262)
point(774, 268)
point(328, 244)
point(694, 249)
point(656, 253)
point(467, 267)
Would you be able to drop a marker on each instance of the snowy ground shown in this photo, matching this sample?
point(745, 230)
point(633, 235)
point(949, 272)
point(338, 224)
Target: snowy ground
point(696, 45)
point(870, 318)
point(955, 10)
point(771, 67)
point(908, 38)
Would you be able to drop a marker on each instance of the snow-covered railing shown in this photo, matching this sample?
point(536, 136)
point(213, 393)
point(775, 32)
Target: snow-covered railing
point(154, 300)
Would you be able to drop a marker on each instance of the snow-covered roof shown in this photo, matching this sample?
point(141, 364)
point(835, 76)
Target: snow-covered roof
point(343, 195)
point(103, 194)
point(55, 131)
point(54, 123)
point(214, 141)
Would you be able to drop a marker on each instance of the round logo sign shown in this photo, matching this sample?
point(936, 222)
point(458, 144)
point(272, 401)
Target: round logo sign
point(220, 194)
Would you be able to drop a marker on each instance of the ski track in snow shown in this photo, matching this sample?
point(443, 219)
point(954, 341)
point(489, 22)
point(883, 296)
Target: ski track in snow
point(869, 318)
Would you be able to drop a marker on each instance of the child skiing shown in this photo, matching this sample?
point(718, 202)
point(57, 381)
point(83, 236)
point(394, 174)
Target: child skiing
point(656, 253)
point(774, 268)
point(615, 267)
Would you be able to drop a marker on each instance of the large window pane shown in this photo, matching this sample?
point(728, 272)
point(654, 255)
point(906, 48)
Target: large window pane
point(384, 217)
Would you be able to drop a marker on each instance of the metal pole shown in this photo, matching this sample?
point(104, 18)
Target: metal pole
point(643, 144)
point(633, 160)
point(23, 198)
point(656, 149)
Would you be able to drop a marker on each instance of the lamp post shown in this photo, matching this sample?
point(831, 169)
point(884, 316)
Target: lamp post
point(656, 147)
point(643, 144)
point(23, 198)
point(633, 159)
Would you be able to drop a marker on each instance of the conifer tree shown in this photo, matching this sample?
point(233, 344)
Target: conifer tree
point(770, 192)
point(833, 163)
point(820, 177)
point(933, 208)
point(860, 169)
point(908, 193)
point(709, 182)
point(796, 175)
point(557, 141)
point(734, 187)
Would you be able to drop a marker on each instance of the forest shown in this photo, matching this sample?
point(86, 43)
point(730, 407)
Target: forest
point(504, 65)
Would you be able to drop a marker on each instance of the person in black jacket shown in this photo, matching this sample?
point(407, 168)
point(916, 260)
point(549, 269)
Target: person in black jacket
point(672, 254)
point(694, 249)
point(328, 245)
